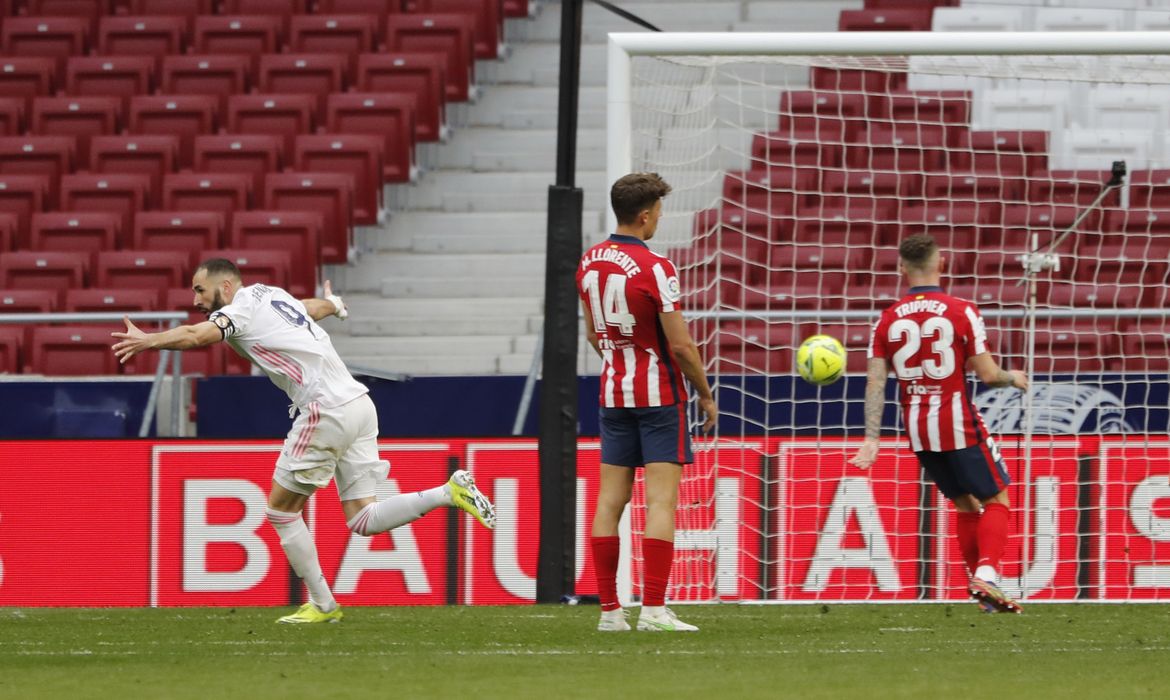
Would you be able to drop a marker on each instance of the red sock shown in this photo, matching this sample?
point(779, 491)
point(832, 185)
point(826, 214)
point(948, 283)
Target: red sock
point(658, 555)
point(605, 562)
point(993, 534)
point(967, 532)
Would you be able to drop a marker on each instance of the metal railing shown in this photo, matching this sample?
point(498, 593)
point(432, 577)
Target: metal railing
point(175, 318)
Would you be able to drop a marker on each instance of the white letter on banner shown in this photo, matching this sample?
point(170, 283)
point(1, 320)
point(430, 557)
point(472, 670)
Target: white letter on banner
point(405, 557)
point(853, 496)
point(506, 538)
point(724, 539)
point(1045, 531)
point(1141, 514)
point(198, 534)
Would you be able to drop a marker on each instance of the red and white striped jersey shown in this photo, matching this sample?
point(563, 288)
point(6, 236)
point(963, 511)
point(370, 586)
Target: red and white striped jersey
point(625, 286)
point(927, 337)
point(273, 329)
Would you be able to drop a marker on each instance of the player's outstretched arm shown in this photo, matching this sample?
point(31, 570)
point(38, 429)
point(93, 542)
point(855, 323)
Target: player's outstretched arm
point(134, 340)
point(686, 353)
point(991, 374)
point(877, 372)
point(330, 305)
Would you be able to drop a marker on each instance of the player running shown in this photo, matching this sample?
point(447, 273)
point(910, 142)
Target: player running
point(630, 297)
point(335, 435)
point(932, 338)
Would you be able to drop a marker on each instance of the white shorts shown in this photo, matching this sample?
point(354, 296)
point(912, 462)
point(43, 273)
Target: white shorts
point(327, 443)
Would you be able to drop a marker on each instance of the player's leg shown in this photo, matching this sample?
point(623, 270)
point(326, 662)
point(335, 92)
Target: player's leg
point(360, 469)
point(981, 471)
point(666, 446)
point(621, 452)
point(305, 464)
point(938, 468)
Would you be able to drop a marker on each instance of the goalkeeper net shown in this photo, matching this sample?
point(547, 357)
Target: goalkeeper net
point(795, 176)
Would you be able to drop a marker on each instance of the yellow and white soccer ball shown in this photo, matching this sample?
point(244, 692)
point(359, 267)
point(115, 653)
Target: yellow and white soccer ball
point(820, 360)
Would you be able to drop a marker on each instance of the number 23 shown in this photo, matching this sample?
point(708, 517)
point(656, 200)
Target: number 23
point(943, 347)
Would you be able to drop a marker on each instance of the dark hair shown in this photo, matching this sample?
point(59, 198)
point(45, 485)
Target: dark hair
point(917, 250)
point(220, 266)
point(634, 193)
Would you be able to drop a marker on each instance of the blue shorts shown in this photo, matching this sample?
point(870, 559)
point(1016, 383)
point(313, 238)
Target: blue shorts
point(977, 470)
point(634, 437)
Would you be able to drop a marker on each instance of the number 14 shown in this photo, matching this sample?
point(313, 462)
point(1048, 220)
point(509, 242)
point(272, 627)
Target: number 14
point(608, 307)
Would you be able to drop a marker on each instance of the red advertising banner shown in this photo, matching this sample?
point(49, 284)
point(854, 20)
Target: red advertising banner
point(1135, 519)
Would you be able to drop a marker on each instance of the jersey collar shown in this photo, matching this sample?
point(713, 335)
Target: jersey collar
point(619, 238)
point(925, 289)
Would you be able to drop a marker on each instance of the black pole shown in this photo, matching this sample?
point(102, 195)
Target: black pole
point(556, 560)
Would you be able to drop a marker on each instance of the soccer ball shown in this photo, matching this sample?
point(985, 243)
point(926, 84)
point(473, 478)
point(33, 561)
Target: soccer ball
point(820, 360)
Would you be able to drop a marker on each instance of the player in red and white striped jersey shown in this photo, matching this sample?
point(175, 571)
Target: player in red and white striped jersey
point(931, 339)
point(630, 298)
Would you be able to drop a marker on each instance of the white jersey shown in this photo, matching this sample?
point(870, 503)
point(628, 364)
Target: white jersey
point(272, 329)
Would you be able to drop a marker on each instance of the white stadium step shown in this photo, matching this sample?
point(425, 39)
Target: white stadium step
point(426, 345)
point(426, 265)
point(367, 306)
point(437, 365)
point(461, 288)
point(391, 326)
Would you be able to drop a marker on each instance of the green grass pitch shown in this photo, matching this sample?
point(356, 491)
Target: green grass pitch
point(742, 651)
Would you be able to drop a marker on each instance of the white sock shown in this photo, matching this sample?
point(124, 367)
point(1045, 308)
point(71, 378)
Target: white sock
point(654, 610)
point(988, 574)
point(302, 555)
point(398, 510)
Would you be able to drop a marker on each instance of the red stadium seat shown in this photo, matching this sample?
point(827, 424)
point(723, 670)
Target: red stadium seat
point(1145, 347)
point(80, 117)
point(142, 269)
point(11, 342)
point(788, 149)
point(1106, 296)
point(12, 111)
point(422, 74)
point(49, 156)
point(120, 194)
point(217, 192)
point(8, 224)
point(991, 293)
point(333, 34)
point(48, 37)
point(447, 34)
point(986, 189)
point(930, 106)
point(298, 232)
point(305, 73)
point(515, 8)
point(487, 26)
point(904, 186)
point(183, 8)
point(359, 7)
point(83, 232)
point(875, 85)
point(388, 116)
point(1047, 220)
point(90, 9)
point(1009, 152)
point(886, 20)
point(250, 35)
point(783, 293)
point(269, 267)
point(735, 228)
point(28, 301)
point(1070, 187)
point(141, 35)
point(184, 116)
point(1149, 221)
point(778, 190)
point(117, 76)
point(100, 300)
point(71, 351)
point(52, 270)
point(1073, 347)
point(208, 74)
point(22, 196)
point(903, 147)
point(282, 8)
point(328, 194)
point(811, 110)
point(1149, 189)
point(189, 231)
point(152, 155)
point(1134, 259)
point(26, 77)
point(251, 154)
point(750, 346)
point(357, 156)
point(284, 115)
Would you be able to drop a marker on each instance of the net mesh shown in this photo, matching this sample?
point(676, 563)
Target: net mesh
point(794, 180)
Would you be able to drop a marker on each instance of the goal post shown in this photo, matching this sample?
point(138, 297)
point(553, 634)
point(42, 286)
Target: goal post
point(798, 162)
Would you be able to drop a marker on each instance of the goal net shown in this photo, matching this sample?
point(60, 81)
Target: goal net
point(795, 176)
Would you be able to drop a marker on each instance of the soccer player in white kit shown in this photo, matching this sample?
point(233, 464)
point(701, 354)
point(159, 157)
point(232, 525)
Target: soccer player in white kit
point(335, 432)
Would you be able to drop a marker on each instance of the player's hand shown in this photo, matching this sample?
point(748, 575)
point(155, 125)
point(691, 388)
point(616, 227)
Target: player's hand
point(711, 413)
point(1019, 379)
point(866, 454)
point(133, 342)
point(338, 303)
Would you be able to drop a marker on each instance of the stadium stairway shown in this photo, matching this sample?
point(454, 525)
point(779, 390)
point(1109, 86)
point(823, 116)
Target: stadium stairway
point(453, 282)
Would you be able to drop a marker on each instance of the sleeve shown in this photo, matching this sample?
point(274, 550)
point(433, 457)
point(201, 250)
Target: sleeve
point(975, 339)
point(666, 292)
point(877, 339)
point(234, 319)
